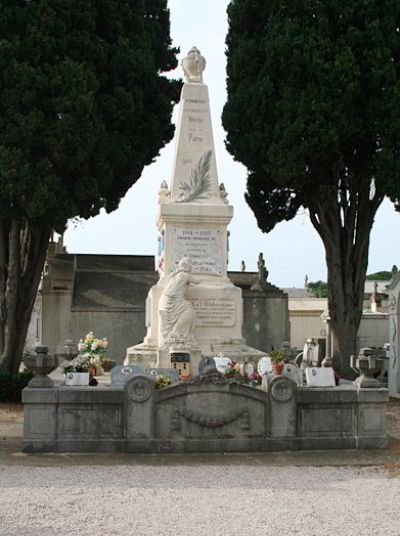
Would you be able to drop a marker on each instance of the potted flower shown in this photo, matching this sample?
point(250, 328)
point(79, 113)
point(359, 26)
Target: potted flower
point(278, 358)
point(93, 350)
point(87, 363)
point(77, 371)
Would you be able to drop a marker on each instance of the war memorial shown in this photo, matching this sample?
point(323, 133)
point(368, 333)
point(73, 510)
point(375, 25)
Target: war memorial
point(194, 320)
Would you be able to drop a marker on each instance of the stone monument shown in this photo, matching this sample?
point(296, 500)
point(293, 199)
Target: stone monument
point(194, 307)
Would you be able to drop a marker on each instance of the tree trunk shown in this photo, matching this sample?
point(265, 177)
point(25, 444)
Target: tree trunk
point(344, 223)
point(22, 257)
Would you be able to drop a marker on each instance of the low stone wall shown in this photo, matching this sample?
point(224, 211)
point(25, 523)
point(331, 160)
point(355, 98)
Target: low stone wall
point(208, 414)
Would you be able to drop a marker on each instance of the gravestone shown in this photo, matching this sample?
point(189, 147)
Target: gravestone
point(320, 377)
point(264, 366)
point(394, 336)
point(193, 217)
point(292, 371)
point(122, 373)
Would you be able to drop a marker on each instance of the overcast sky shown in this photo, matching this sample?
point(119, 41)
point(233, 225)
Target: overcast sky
point(291, 250)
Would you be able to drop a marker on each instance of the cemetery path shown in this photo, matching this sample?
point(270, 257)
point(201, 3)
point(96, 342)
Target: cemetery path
point(200, 500)
point(315, 493)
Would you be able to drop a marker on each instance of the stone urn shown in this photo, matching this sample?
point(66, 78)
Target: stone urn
point(368, 363)
point(41, 365)
point(193, 66)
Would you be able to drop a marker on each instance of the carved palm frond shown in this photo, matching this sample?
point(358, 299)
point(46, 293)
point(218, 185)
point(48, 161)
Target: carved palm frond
point(199, 182)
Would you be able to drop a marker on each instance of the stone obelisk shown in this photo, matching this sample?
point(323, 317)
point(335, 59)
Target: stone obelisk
point(193, 217)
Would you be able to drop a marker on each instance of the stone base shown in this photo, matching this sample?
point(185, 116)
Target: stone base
point(207, 414)
point(236, 352)
point(148, 357)
point(143, 356)
point(364, 382)
point(164, 359)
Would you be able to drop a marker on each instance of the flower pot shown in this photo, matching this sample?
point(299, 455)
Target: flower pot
point(277, 367)
point(76, 378)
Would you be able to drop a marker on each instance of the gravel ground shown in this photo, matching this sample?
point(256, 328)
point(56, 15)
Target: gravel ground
point(200, 500)
point(87, 495)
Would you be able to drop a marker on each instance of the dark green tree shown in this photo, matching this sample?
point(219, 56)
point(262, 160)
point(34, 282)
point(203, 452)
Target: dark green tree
point(383, 275)
point(313, 111)
point(83, 108)
point(318, 288)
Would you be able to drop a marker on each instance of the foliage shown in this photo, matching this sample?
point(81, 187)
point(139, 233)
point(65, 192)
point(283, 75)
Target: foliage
point(313, 111)
point(318, 288)
point(162, 381)
point(12, 385)
point(82, 105)
point(380, 276)
point(81, 363)
point(83, 108)
point(278, 356)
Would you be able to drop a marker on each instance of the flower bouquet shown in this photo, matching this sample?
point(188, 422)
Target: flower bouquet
point(237, 372)
point(89, 357)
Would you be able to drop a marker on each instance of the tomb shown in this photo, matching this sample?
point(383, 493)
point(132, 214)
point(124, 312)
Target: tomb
point(194, 312)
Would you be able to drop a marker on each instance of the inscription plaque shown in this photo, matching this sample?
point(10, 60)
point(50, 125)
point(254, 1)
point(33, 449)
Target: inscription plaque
point(203, 246)
point(214, 311)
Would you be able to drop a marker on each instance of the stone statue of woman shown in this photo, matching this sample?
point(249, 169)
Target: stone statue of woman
point(177, 315)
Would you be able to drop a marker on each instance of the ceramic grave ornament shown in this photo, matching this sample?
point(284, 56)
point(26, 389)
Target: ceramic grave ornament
point(292, 371)
point(264, 366)
point(222, 363)
point(198, 311)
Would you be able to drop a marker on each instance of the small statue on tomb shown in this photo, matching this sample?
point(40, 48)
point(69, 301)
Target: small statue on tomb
point(163, 193)
point(262, 271)
point(177, 315)
point(242, 266)
point(223, 193)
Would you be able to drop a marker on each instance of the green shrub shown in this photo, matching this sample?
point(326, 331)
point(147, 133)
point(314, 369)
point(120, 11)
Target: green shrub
point(11, 386)
point(278, 355)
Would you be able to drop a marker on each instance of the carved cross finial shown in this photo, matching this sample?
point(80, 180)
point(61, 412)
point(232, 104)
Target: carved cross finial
point(193, 66)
